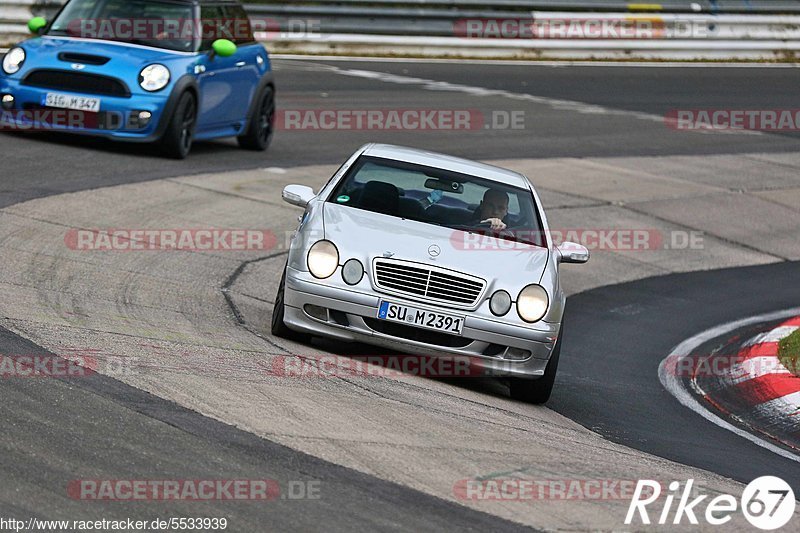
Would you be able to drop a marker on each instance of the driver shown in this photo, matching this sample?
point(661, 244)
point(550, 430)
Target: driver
point(493, 209)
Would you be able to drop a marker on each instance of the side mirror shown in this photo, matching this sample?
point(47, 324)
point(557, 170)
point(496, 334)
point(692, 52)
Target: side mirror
point(223, 48)
point(571, 252)
point(298, 195)
point(36, 24)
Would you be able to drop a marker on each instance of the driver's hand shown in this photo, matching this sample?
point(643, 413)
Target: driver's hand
point(496, 223)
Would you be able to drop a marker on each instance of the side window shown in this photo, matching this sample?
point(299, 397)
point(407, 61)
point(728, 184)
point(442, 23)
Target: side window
point(212, 19)
point(240, 24)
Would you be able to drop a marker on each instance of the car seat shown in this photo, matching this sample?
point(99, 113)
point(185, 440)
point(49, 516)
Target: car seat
point(380, 197)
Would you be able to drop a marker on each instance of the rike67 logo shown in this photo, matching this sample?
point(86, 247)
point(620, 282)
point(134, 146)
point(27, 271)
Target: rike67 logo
point(767, 503)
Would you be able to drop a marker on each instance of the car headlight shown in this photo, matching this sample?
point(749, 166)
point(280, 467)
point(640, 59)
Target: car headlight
point(352, 272)
point(13, 60)
point(323, 259)
point(500, 303)
point(154, 77)
point(532, 303)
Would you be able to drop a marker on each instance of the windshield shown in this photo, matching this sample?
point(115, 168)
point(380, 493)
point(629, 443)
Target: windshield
point(441, 197)
point(165, 25)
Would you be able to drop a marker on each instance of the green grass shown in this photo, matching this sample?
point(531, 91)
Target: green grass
point(789, 352)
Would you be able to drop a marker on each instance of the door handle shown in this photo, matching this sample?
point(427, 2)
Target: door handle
point(240, 64)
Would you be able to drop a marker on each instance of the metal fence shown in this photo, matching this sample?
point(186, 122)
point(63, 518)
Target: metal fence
point(666, 30)
point(440, 22)
point(14, 14)
point(680, 29)
point(775, 7)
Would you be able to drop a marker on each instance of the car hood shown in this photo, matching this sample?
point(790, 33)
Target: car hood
point(366, 235)
point(121, 55)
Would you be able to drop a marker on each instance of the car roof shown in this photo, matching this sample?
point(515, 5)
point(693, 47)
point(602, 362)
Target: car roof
point(447, 162)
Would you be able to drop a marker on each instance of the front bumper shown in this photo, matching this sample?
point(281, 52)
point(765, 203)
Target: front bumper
point(113, 120)
point(353, 318)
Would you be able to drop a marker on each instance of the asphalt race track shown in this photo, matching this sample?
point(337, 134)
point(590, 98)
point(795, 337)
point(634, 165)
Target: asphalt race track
point(628, 329)
point(54, 430)
point(86, 163)
point(618, 329)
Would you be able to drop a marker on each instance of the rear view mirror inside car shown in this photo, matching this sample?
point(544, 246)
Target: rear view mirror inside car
point(445, 185)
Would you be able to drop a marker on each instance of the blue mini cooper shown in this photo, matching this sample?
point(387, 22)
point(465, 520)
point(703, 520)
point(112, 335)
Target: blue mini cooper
point(162, 71)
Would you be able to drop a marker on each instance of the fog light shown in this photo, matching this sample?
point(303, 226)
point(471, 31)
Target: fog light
point(8, 101)
point(352, 272)
point(144, 117)
point(138, 119)
point(516, 354)
point(315, 311)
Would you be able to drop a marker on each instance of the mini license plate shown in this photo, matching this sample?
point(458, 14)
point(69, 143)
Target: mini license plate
point(67, 101)
point(421, 318)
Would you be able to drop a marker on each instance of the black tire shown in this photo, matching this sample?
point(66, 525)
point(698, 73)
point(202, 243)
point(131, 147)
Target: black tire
point(537, 391)
point(261, 125)
point(279, 328)
point(177, 140)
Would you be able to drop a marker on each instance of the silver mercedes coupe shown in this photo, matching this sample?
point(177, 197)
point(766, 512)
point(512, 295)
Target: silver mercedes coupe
point(431, 255)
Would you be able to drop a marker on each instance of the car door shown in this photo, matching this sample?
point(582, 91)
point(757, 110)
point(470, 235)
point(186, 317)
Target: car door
point(249, 56)
point(221, 79)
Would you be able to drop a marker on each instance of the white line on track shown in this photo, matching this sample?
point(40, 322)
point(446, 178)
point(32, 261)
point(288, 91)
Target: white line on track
point(554, 103)
point(772, 336)
point(668, 376)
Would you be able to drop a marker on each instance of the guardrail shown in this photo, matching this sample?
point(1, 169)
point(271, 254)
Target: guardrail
point(764, 7)
point(673, 29)
point(14, 15)
point(553, 25)
point(498, 28)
